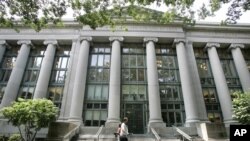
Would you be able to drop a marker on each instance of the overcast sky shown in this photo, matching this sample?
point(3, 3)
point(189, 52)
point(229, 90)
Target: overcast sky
point(219, 15)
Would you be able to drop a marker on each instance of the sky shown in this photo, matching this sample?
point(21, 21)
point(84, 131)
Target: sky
point(219, 15)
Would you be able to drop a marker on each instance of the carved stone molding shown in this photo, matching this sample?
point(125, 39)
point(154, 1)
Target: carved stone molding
point(209, 45)
point(120, 39)
point(89, 38)
point(2, 42)
point(147, 39)
point(53, 42)
point(233, 46)
point(179, 40)
point(20, 42)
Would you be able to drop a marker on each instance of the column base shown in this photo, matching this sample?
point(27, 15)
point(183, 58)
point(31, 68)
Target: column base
point(75, 120)
point(191, 122)
point(229, 122)
point(156, 124)
point(112, 123)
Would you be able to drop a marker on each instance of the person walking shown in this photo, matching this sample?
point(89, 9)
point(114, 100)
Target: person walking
point(124, 130)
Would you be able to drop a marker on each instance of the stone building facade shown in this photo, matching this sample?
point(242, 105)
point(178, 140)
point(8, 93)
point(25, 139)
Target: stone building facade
point(157, 75)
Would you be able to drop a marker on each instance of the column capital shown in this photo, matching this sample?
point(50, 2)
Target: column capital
point(53, 42)
point(87, 38)
point(233, 46)
point(20, 42)
point(153, 39)
point(118, 38)
point(3, 42)
point(179, 40)
point(209, 45)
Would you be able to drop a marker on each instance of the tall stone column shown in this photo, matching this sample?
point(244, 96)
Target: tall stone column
point(196, 83)
point(80, 81)
point(155, 116)
point(16, 76)
point(115, 83)
point(2, 49)
point(46, 67)
point(186, 84)
point(220, 82)
point(241, 66)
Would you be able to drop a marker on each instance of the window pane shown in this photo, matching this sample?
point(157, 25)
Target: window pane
point(132, 74)
point(125, 89)
point(125, 74)
point(99, 75)
point(93, 60)
point(96, 115)
point(98, 92)
point(107, 61)
point(91, 90)
point(106, 75)
point(140, 61)
point(171, 117)
point(105, 92)
point(125, 60)
point(88, 115)
point(140, 74)
point(132, 61)
point(100, 60)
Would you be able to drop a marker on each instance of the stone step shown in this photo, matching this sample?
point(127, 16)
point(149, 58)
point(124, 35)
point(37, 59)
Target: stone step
point(143, 137)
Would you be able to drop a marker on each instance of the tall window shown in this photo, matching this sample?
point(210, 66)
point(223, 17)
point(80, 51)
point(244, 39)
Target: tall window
point(134, 87)
point(170, 88)
point(31, 73)
point(58, 74)
point(6, 67)
point(227, 63)
point(246, 54)
point(208, 86)
point(97, 88)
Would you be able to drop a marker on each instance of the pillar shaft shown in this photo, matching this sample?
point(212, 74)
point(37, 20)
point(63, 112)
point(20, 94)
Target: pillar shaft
point(2, 49)
point(115, 82)
point(186, 84)
point(220, 82)
point(241, 66)
point(45, 72)
point(16, 76)
point(155, 116)
point(80, 81)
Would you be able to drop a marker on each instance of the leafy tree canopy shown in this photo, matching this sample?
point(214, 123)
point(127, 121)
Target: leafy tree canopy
point(95, 13)
point(241, 107)
point(30, 116)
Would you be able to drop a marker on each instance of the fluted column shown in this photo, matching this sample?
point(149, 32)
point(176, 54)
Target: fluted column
point(80, 81)
point(2, 49)
point(155, 116)
point(241, 66)
point(220, 82)
point(16, 76)
point(186, 84)
point(46, 67)
point(115, 83)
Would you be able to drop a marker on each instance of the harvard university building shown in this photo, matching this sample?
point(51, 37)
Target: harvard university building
point(159, 76)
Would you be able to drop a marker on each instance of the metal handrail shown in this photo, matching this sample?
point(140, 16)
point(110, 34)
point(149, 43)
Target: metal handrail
point(68, 136)
point(183, 134)
point(158, 138)
point(99, 132)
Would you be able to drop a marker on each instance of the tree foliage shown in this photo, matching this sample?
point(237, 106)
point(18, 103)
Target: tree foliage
point(96, 13)
point(241, 107)
point(30, 116)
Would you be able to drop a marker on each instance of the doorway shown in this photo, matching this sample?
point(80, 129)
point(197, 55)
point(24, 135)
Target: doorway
point(135, 114)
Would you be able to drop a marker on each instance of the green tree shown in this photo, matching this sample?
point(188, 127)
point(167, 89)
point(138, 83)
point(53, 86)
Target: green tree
point(241, 107)
point(96, 13)
point(30, 116)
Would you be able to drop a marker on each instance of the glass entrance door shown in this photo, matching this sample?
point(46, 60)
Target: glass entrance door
point(135, 114)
